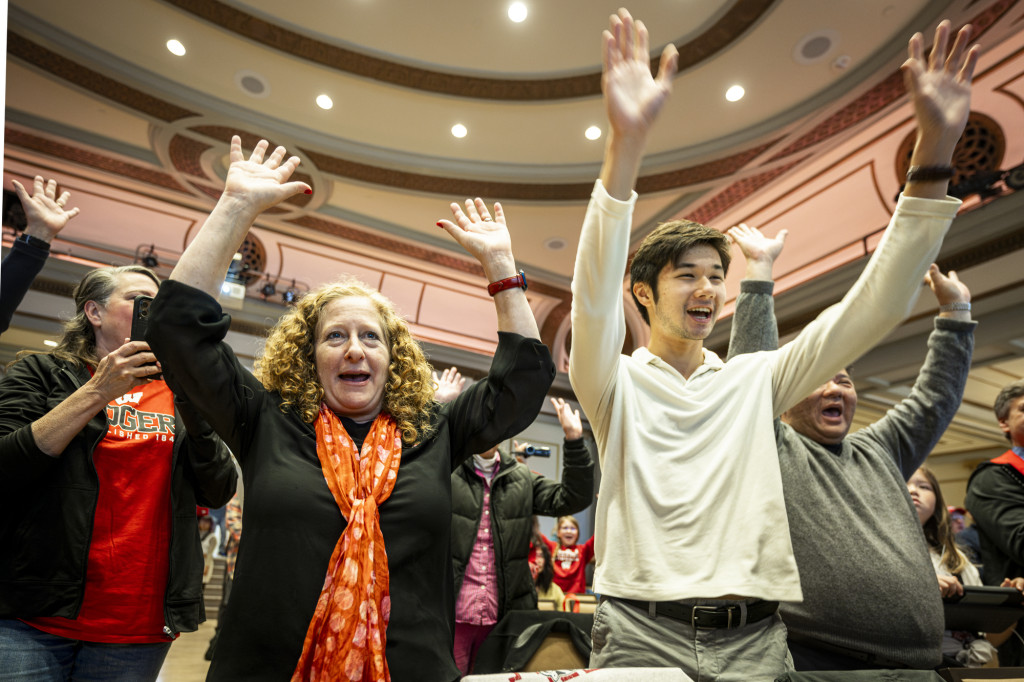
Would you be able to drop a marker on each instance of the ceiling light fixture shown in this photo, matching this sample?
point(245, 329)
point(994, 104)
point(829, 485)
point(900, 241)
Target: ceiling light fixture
point(735, 93)
point(517, 11)
point(459, 130)
point(149, 259)
point(324, 102)
point(592, 133)
point(175, 47)
point(50, 342)
point(291, 294)
point(268, 289)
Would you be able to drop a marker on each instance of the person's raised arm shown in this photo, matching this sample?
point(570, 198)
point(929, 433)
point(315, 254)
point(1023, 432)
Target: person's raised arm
point(576, 490)
point(449, 385)
point(910, 430)
point(940, 90)
point(252, 186)
point(568, 418)
point(632, 97)
point(488, 241)
point(753, 324)
point(45, 216)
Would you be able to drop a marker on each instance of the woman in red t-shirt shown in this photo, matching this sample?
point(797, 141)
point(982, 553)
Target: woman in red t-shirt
point(96, 475)
point(569, 558)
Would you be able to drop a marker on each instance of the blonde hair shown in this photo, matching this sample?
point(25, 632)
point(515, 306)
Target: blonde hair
point(288, 363)
point(77, 344)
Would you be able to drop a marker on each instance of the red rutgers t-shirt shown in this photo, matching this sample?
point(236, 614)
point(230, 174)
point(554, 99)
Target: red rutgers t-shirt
point(571, 565)
point(126, 575)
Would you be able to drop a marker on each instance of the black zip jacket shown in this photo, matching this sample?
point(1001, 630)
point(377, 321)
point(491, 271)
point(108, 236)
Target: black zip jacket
point(47, 503)
point(517, 493)
point(995, 497)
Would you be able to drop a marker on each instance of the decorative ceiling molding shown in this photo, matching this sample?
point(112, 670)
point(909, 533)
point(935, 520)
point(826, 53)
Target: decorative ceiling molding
point(737, 192)
point(87, 79)
point(18, 138)
point(884, 93)
point(731, 25)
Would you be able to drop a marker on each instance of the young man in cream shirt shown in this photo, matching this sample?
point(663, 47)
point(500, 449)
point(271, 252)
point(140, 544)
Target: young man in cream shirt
point(693, 544)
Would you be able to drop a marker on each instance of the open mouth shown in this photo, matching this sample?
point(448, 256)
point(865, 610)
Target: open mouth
point(354, 377)
point(701, 313)
point(833, 412)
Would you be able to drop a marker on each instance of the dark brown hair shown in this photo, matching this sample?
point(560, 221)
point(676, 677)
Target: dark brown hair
point(665, 245)
point(1005, 398)
point(938, 530)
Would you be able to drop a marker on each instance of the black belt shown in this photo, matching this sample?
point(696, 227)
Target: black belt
point(705, 617)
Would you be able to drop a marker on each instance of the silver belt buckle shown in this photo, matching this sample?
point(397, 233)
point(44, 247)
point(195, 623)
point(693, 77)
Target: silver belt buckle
point(708, 609)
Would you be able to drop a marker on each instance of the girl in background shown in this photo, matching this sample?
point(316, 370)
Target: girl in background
point(570, 560)
point(952, 567)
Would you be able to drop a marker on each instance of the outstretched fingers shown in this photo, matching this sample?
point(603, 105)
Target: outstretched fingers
point(643, 40)
point(235, 155)
point(274, 160)
point(937, 57)
point(258, 151)
point(20, 190)
point(668, 66)
point(966, 73)
point(624, 33)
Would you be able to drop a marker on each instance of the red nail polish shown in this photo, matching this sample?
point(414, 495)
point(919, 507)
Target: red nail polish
point(309, 191)
point(439, 224)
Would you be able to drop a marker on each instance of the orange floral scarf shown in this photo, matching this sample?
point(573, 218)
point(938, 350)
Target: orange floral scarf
point(347, 635)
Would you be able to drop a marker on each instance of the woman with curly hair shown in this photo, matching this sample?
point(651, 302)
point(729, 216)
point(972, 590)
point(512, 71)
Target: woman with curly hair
point(344, 570)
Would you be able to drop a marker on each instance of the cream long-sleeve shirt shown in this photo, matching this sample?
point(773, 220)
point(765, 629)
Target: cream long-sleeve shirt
point(691, 498)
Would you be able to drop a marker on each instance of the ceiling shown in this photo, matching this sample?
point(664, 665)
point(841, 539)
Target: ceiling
point(139, 136)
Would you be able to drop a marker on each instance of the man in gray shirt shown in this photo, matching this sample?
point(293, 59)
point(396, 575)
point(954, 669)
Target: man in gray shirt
point(871, 598)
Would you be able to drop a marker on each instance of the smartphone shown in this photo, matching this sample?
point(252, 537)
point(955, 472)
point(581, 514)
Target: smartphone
point(140, 321)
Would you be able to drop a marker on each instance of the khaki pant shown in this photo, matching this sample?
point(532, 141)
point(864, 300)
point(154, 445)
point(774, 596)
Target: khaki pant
point(625, 636)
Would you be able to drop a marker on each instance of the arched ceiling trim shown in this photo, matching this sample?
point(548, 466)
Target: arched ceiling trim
point(740, 17)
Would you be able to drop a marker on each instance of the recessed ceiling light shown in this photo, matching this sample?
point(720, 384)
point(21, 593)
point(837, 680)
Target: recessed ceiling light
point(50, 342)
point(517, 11)
point(592, 133)
point(459, 130)
point(555, 244)
point(324, 102)
point(175, 47)
point(735, 93)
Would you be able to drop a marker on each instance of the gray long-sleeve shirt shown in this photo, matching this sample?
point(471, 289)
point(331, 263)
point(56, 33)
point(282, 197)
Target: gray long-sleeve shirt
point(867, 580)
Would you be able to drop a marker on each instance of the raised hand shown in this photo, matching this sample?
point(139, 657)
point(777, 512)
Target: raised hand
point(947, 289)
point(449, 385)
point(258, 182)
point(44, 211)
point(572, 425)
point(760, 251)
point(940, 85)
point(252, 186)
point(486, 239)
point(633, 97)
